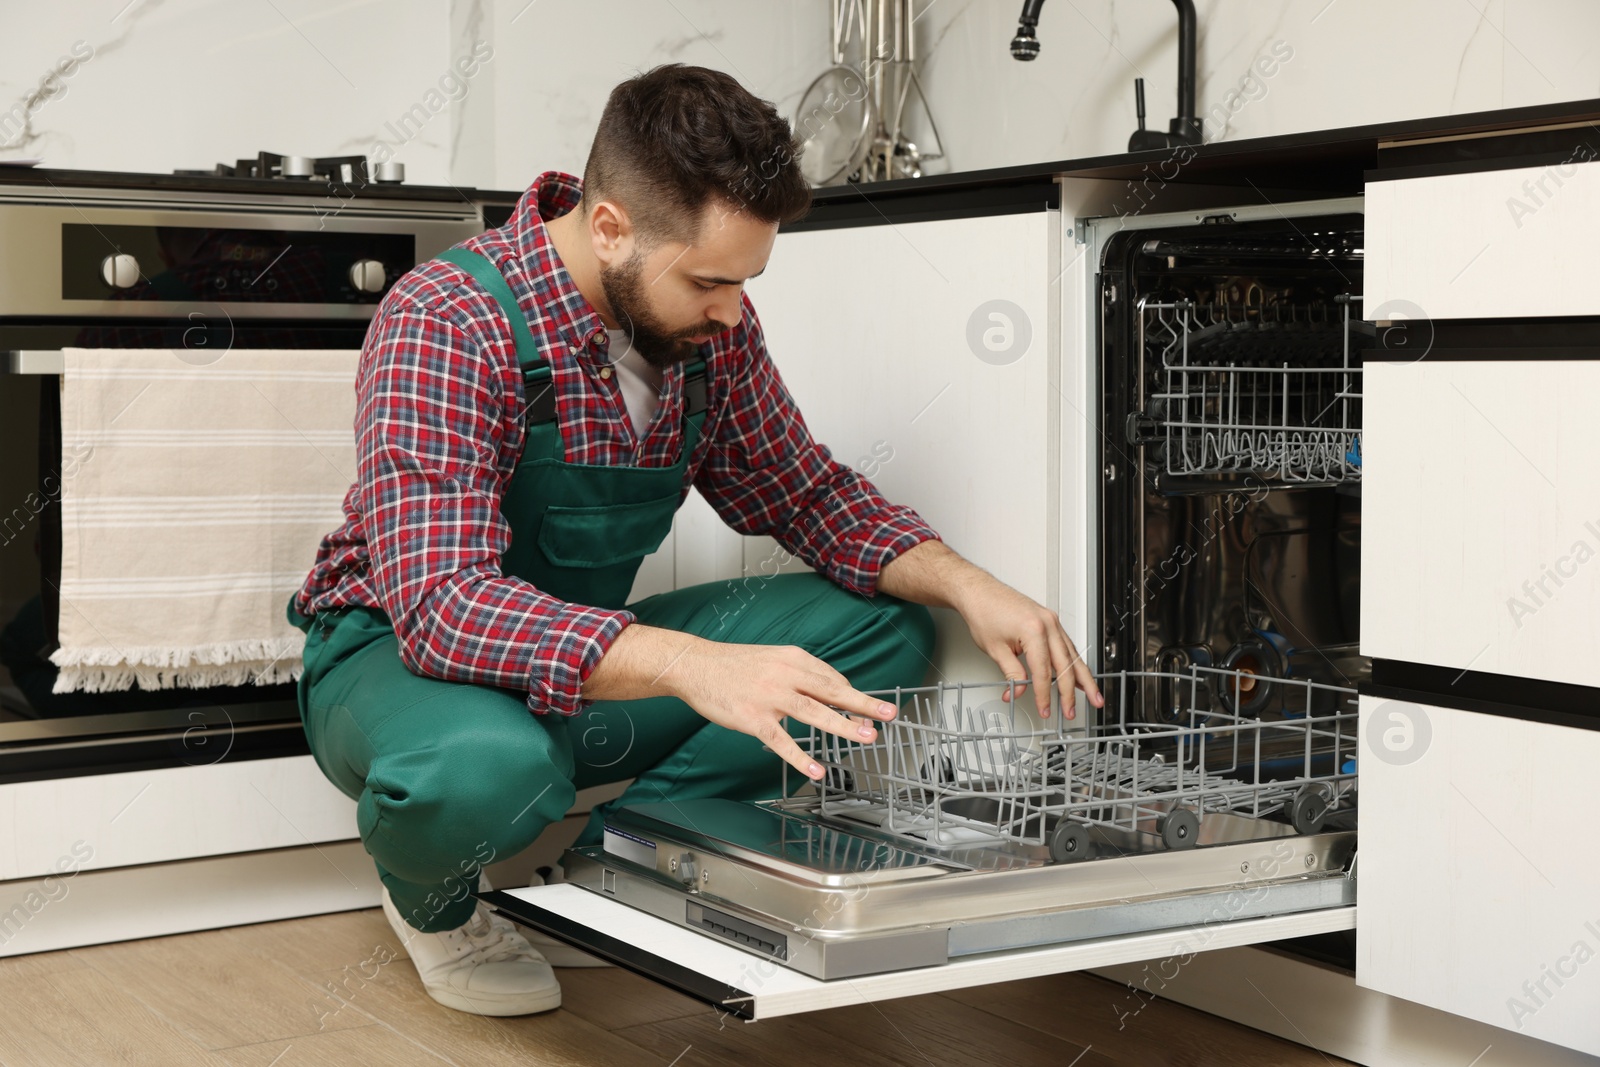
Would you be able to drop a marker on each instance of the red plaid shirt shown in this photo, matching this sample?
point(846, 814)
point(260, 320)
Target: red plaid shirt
point(439, 432)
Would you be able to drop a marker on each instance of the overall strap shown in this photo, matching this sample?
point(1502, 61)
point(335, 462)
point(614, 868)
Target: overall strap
point(494, 283)
point(538, 391)
point(694, 406)
point(544, 436)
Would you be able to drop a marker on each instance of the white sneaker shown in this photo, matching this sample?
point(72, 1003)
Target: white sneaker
point(559, 953)
point(483, 966)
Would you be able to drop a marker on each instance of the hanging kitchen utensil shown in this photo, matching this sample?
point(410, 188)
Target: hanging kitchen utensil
point(851, 118)
point(906, 159)
point(836, 116)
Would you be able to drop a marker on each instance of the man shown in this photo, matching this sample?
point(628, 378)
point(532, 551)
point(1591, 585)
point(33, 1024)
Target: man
point(532, 408)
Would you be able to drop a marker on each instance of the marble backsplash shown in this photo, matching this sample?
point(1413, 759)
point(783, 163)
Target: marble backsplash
point(189, 83)
point(491, 92)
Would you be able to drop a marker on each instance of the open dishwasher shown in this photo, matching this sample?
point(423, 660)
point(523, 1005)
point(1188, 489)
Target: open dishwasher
point(1212, 799)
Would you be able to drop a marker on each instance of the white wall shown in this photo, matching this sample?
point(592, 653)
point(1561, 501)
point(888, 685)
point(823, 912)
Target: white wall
point(189, 83)
point(1351, 62)
point(185, 83)
point(556, 61)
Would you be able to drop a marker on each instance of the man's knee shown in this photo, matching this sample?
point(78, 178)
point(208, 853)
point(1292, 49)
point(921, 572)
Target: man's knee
point(465, 794)
point(892, 645)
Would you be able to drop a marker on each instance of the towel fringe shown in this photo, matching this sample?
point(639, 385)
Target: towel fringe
point(100, 669)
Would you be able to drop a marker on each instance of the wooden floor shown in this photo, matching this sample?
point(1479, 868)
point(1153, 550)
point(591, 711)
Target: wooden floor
point(338, 990)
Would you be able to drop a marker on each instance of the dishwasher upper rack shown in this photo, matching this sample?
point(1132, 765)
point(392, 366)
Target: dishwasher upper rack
point(1267, 390)
point(966, 766)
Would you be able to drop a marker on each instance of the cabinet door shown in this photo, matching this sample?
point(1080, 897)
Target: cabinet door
point(1501, 243)
point(1480, 588)
point(920, 353)
point(1481, 516)
point(1480, 893)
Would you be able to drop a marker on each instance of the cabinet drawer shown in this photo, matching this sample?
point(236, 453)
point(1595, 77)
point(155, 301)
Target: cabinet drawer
point(1479, 893)
point(1481, 516)
point(1488, 244)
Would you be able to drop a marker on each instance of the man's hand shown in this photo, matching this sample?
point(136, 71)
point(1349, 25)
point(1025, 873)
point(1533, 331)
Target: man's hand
point(1004, 623)
point(749, 688)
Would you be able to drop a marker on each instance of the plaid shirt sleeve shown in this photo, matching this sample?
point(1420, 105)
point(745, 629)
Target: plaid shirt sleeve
point(430, 423)
point(764, 474)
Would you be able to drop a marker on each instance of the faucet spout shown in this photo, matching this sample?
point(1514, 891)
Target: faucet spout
point(1186, 128)
point(1025, 45)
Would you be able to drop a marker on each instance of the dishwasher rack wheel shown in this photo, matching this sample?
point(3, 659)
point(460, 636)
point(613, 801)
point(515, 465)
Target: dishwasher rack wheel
point(1308, 810)
point(1070, 842)
point(1180, 829)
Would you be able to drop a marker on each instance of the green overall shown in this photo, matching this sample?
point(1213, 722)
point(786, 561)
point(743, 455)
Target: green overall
point(448, 776)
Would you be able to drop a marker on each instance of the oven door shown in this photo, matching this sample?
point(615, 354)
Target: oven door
point(46, 735)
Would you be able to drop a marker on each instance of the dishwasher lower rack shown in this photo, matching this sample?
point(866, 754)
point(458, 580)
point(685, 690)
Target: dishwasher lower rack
point(962, 831)
point(964, 768)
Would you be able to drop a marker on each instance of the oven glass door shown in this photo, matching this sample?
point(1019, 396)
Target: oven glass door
point(45, 734)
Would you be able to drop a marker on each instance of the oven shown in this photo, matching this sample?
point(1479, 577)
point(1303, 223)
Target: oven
point(246, 259)
point(143, 811)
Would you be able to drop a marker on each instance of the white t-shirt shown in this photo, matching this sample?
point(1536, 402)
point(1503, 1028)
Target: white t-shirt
point(639, 380)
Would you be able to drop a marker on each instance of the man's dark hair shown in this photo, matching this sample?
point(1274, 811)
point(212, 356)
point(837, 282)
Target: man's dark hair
point(676, 137)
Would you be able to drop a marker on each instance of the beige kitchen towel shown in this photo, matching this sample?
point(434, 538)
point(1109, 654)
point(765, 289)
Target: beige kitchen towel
point(195, 490)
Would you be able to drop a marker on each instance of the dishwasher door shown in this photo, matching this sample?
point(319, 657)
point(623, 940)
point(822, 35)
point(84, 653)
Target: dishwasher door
point(749, 987)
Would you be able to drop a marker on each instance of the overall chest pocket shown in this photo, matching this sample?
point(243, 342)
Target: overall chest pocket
point(607, 534)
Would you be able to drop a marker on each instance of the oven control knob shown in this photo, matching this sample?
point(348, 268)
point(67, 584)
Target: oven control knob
point(367, 276)
point(390, 173)
point(120, 271)
point(686, 869)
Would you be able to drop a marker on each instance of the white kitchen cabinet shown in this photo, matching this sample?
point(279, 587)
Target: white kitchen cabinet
point(1481, 516)
point(1479, 892)
point(1503, 243)
point(1480, 590)
point(211, 808)
point(907, 366)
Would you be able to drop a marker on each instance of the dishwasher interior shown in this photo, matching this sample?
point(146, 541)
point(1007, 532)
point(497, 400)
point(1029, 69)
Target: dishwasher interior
point(1218, 782)
point(1231, 506)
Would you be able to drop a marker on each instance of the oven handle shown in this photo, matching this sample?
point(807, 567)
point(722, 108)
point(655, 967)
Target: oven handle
point(34, 361)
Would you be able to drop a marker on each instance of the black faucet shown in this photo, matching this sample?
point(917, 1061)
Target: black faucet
point(1186, 128)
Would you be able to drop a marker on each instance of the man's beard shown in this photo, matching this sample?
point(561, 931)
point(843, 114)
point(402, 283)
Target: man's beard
point(625, 292)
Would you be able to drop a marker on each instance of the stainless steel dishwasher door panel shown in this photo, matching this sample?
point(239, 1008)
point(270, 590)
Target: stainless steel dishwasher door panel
point(896, 910)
